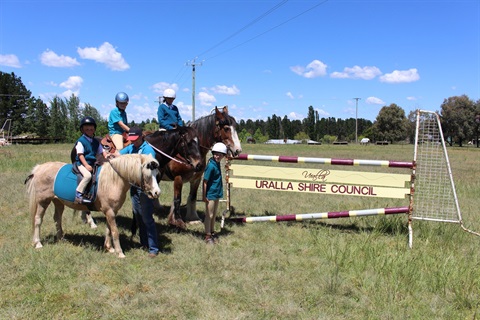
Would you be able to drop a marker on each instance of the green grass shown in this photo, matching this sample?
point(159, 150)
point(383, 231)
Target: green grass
point(358, 268)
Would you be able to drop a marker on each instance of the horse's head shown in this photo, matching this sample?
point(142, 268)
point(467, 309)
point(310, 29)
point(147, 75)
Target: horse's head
point(226, 131)
point(189, 148)
point(149, 176)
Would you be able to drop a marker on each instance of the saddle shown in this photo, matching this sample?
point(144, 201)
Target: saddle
point(91, 188)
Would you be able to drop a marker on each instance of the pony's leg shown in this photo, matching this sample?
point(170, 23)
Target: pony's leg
point(87, 218)
point(37, 219)
point(192, 215)
point(112, 231)
point(57, 218)
point(174, 217)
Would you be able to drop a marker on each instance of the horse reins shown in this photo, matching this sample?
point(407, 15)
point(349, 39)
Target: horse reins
point(168, 156)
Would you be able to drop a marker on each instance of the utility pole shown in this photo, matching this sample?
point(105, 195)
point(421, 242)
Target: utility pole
point(193, 64)
point(356, 119)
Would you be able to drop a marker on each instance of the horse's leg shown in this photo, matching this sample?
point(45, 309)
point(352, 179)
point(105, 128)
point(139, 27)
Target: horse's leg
point(37, 219)
point(87, 218)
point(174, 217)
point(112, 231)
point(57, 217)
point(192, 215)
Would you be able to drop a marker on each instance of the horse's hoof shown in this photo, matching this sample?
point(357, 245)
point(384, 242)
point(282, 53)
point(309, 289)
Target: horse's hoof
point(38, 245)
point(121, 256)
point(194, 222)
point(179, 224)
point(93, 226)
point(111, 250)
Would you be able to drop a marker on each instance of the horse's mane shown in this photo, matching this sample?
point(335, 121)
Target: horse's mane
point(166, 134)
point(128, 166)
point(206, 124)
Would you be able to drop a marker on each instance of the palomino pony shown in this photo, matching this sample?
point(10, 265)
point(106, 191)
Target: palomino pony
point(115, 179)
point(182, 141)
point(216, 127)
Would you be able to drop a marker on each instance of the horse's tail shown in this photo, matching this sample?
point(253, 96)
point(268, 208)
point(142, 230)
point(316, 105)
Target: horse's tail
point(32, 205)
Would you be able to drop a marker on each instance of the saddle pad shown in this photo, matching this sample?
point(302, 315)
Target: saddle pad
point(65, 184)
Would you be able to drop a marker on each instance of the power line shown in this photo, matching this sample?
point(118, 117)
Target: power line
point(273, 28)
point(263, 15)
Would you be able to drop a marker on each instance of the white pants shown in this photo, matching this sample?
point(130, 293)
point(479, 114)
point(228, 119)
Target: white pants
point(117, 141)
point(87, 176)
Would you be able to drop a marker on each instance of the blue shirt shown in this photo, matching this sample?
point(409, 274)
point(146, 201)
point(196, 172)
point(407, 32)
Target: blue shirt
point(115, 116)
point(213, 176)
point(169, 115)
point(144, 148)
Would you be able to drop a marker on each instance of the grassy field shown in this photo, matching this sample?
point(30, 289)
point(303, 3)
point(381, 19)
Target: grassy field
point(358, 268)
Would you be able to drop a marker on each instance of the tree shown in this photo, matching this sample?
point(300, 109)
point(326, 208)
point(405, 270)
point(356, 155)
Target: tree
point(74, 115)
point(102, 124)
point(310, 123)
point(458, 119)
point(37, 118)
point(58, 114)
point(13, 101)
point(391, 124)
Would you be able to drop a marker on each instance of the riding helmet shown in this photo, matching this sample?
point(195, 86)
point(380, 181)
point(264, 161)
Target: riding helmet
point(87, 120)
point(121, 97)
point(169, 93)
point(219, 147)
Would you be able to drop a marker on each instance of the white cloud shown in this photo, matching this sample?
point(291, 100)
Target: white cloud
point(314, 69)
point(73, 83)
point(290, 95)
point(374, 100)
point(231, 91)
point(356, 72)
point(322, 113)
point(399, 76)
point(105, 54)
point(295, 116)
point(9, 60)
point(411, 98)
point(51, 59)
point(159, 87)
point(206, 99)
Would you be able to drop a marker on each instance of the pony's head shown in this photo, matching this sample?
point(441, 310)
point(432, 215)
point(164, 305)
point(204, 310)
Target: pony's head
point(226, 131)
point(149, 183)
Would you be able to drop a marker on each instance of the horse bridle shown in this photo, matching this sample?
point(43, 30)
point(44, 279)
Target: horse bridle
point(182, 138)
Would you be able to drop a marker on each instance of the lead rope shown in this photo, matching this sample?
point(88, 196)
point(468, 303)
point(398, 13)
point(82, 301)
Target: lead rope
point(166, 155)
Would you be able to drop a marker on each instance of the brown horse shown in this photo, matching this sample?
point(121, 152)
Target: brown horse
point(216, 127)
point(45, 184)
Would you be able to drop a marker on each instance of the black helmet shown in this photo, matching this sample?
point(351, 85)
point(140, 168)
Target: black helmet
point(88, 120)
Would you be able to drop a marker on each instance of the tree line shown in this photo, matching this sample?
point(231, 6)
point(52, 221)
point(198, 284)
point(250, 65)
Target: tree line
point(460, 118)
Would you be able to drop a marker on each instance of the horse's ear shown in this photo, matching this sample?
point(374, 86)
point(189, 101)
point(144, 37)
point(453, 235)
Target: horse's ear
point(225, 109)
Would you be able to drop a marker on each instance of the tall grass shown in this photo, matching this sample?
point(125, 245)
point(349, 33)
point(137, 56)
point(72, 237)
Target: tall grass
point(358, 268)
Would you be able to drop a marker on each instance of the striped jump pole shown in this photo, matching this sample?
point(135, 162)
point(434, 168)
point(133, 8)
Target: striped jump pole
point(323, 215)
point(329, 161)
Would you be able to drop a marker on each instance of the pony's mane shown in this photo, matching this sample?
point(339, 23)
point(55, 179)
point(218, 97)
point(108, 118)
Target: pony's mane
point(128, 166)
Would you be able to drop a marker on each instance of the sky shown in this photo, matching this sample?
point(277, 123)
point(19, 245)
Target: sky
point(258, 57)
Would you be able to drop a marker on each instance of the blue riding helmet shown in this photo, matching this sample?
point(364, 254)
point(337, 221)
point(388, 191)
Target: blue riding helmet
point(121, 97)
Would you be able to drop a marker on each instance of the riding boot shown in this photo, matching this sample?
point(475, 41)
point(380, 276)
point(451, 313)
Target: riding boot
point(79, 199)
